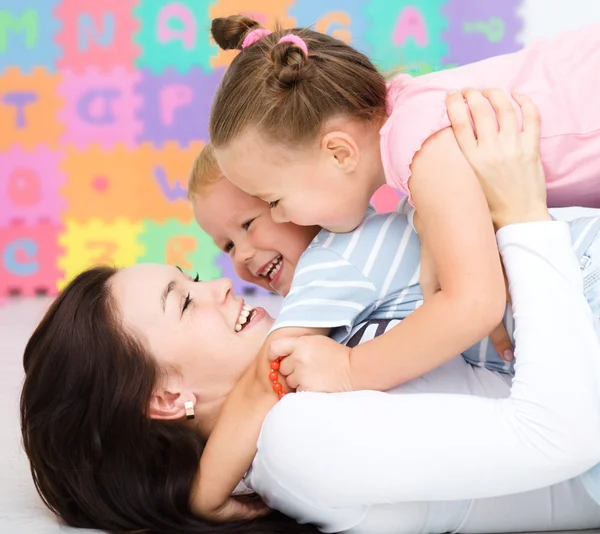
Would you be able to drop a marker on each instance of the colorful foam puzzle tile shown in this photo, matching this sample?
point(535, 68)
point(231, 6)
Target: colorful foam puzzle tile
point(341, 19)
point(269, 13)
point(30, 183)
point(478, 30)
point(140, 183)
point(173, 34)
point(98, 243)
point(184, 245)
point(29, 108)
point(406, 35)
point(176, 106)
point(97, 34)
point(240, 287)
point(27, 34)
point(100, 107)
point(28, 258)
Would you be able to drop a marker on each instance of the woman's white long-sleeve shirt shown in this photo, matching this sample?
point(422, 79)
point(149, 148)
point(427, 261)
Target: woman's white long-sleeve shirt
point(383, 462)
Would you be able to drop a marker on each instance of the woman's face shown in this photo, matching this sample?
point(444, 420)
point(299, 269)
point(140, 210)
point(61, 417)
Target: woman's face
point(190, 327)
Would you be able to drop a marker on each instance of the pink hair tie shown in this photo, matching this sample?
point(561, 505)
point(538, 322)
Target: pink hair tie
point(294, 39)
point(254, 36)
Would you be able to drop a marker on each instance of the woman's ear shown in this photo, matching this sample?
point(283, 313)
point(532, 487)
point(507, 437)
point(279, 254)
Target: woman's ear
point(167, 405)
point(342, 150)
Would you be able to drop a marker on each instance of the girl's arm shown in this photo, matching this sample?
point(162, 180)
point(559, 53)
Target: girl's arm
point(455, 224)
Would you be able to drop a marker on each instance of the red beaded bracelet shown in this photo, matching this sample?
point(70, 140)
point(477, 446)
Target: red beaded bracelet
point(274, 377)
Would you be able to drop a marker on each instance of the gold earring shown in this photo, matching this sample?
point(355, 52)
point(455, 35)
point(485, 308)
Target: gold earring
point(189, 410)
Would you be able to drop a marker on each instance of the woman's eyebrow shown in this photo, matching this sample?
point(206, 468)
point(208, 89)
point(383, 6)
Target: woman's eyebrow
point(166, 292)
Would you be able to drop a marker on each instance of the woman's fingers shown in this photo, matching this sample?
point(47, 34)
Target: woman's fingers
point(506, 116)
point(484, 118)
point(458, 113)
point(243, 510)
point(531, 124)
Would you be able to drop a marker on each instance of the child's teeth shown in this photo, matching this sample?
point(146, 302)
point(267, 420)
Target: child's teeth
point(245, 312)
point(238, 327)
point(275, 271)
point(268, 271)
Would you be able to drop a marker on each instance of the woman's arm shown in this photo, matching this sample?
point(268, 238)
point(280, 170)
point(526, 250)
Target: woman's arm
point(367, 447)
point(231, 446)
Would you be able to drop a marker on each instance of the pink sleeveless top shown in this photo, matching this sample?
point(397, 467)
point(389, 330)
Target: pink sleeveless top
point(560, 76)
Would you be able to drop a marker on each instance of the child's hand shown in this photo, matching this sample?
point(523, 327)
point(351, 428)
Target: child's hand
point(502, 344)
point(313, 363)
point(428, 278)
point(505, 159)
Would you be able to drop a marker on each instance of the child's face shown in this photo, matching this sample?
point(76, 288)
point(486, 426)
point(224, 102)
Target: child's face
point(307, 187)
point(263, 252)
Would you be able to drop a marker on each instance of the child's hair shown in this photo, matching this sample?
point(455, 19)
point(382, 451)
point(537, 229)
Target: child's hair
point(205, 172)
point(285, 93)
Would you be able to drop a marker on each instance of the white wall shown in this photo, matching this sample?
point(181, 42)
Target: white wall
point(547, 18)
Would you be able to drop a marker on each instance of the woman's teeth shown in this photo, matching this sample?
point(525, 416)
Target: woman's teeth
point(246, 315)
point(273, 268)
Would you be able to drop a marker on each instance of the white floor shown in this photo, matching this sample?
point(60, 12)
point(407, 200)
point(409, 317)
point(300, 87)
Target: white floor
point(21, 511)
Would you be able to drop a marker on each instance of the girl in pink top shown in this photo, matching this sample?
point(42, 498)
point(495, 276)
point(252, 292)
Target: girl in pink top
point(306, 123)
point(557, 75)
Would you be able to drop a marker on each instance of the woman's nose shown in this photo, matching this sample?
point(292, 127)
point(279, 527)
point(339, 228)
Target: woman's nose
point(218, 290)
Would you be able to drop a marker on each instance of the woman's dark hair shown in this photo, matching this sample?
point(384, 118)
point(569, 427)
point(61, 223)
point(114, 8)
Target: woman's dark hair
point(97, 460)
point(287, 94)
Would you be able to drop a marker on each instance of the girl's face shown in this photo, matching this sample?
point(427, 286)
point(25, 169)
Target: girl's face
point(308, 186)
point(263, 252)
point(190, 327)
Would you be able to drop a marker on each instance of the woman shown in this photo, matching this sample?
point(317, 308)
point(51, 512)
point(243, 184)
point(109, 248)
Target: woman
point(111, 366)
point(106, 371)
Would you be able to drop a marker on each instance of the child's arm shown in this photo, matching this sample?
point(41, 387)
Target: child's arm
point(430, 285)
point(455, 222)
point(231, 446)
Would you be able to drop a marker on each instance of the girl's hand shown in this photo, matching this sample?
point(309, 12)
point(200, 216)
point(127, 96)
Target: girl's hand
point(505, 159)
point(428, 279)
point(313, 363)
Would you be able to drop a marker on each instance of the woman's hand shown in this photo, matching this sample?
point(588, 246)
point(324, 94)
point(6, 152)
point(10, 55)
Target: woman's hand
point(505, 159)
point(235, 509)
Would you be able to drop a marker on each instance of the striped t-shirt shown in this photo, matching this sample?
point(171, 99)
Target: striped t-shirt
point(372, 273)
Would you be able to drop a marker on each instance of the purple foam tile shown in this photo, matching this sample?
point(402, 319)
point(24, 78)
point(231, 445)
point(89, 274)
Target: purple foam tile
point(480, 29)
point(176, 106)
point(239, 286)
